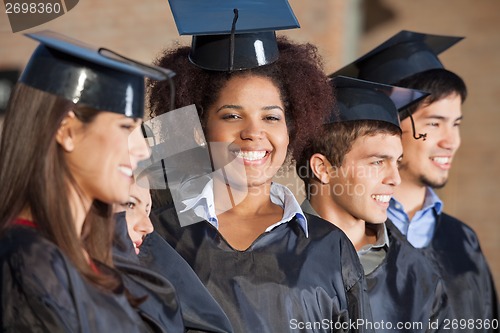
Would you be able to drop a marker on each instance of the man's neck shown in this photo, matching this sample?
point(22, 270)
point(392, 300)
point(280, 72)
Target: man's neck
point(354, 228)
point(411, 195)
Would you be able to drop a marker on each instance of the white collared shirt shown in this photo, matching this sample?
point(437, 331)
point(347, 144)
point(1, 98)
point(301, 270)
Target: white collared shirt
point(203, 206)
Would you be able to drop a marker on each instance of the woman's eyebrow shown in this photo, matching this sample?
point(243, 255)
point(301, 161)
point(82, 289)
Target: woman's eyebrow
point(272, 107)
point(239, 107)
point(229, 106)
point(136, 199)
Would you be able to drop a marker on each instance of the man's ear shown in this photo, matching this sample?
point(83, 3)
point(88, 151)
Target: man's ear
point(65, 135)
point(320, 167)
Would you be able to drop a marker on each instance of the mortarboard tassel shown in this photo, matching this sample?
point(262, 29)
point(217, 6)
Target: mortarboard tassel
point(231, 41)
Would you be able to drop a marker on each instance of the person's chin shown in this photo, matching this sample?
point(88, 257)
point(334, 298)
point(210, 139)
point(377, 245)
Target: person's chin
point(376, 214)
point(257, 182)
point(119, 198)
point(435, 182)
point(377, 218)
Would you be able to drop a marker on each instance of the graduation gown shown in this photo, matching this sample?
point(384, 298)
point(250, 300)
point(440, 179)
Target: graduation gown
point(456, 253)
point(43, 292)
point(406, 289)
point(159, 300)
point(284, 282)
point(175, 297)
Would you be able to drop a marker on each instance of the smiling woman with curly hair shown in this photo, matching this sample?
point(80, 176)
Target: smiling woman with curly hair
point(271, 267)
point(297, 74)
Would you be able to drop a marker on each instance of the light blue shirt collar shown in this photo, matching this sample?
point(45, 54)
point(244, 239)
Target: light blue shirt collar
point(420, 230)
point(203, 206)
point(432, 201)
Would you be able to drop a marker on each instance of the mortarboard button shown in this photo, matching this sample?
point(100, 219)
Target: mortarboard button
point(232, 35)
point(399, 57)
point(363, 100)
point(97, 77)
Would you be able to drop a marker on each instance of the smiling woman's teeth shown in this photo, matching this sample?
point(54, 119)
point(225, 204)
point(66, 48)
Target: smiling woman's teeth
point(125, 170)
point(251, 155)
point(381, 198)
point(441, 160)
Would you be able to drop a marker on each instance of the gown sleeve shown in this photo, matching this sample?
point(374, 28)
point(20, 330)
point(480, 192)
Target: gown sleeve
point(35, 288)
point(457, 254)
point(200, 311)
point(406, 289)
point(42, 291)
point(358, 301)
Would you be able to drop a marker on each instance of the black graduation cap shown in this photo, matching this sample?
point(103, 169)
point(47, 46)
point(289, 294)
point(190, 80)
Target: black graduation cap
point(232, 34)
point(96, 77)
point(399, 57)
point(364, 100)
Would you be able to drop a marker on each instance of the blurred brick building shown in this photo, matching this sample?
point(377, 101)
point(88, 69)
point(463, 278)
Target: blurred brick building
point(342, 30)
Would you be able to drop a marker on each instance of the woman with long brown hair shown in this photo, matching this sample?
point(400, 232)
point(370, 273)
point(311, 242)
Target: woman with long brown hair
point(70, 143)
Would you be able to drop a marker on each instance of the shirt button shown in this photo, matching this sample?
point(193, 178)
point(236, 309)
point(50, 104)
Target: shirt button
point(398, 206)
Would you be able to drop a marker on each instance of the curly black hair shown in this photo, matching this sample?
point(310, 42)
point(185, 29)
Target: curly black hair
point(298, 74)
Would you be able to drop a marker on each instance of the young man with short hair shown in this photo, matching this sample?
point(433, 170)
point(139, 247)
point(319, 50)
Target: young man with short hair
point(351, 172)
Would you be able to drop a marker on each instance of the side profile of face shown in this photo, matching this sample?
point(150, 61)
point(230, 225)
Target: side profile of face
point(137, 211)
point(249, 118)
point(427, 163)
point(364, 184)
point(103, 154)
